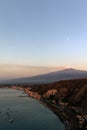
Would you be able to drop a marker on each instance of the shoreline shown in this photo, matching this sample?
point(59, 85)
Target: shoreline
point(30, 111)
point(28, 95)
point(55, 109)
point(42, 102)
point(63, 115)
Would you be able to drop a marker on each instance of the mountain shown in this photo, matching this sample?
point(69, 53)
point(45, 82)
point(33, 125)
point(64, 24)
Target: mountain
point(51, 77)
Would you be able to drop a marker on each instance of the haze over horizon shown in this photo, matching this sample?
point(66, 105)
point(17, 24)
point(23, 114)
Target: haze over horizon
point(39, 37)
point(12, 71)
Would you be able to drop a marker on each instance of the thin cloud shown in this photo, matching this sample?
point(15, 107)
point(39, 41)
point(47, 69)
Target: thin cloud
point(8, 71)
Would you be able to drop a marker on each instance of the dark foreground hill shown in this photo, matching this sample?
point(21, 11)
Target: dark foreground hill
point(68, 96)
point(71, 96)
point(73, 92)
point(51, 77)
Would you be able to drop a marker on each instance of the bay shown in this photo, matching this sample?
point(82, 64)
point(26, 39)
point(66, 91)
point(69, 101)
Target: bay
point(19, 112)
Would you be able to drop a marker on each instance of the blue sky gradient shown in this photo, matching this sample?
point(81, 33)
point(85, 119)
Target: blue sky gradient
point(44, 33)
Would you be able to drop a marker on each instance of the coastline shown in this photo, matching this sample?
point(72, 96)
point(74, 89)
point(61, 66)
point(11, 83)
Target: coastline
point(26, 91)
point(63, 114)
point(41, 101)
point(27, 109)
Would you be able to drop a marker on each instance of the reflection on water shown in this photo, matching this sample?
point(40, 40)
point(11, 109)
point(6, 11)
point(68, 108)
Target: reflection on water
point(24, 113)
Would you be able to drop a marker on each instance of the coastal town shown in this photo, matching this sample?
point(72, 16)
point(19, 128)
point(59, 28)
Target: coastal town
point(67, 112)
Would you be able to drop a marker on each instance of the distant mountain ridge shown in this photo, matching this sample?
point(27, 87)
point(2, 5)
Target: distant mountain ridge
point(51, 77)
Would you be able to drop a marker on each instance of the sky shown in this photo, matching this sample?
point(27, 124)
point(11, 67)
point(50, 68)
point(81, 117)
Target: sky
point(40, 36)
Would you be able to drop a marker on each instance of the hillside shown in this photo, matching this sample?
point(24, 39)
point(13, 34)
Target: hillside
point(67, 98)
point(73, 92)
point(75, 88)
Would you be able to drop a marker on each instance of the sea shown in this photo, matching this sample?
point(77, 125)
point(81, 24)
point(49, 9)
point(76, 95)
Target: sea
point(20, 112)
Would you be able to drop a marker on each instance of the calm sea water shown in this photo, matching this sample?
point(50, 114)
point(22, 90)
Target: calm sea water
point(19, 112)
